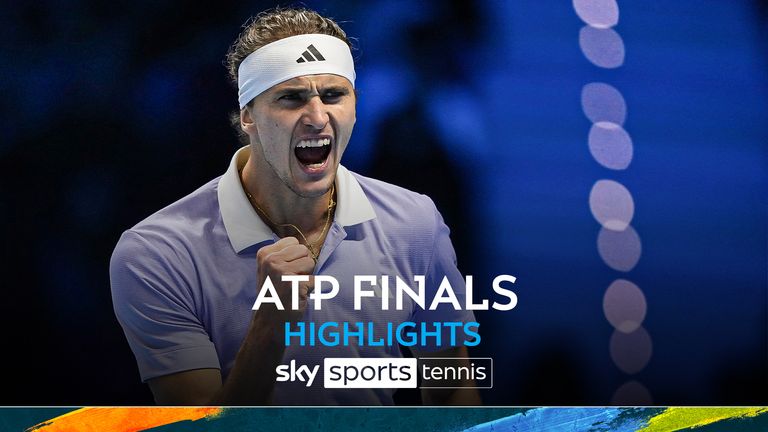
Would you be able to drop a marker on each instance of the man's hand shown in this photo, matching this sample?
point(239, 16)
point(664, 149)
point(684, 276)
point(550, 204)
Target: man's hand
point(285, 257)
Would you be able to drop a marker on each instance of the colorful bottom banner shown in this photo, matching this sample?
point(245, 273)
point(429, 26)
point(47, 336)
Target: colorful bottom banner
point(134, 419)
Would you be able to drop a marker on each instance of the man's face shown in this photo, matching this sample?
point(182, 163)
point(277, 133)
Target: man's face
point(302, 127)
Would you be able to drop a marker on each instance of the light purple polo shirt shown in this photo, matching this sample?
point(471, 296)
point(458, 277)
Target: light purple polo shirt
point(184, 279)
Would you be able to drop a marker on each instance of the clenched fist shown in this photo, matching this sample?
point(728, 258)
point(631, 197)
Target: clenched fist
point(285, 257)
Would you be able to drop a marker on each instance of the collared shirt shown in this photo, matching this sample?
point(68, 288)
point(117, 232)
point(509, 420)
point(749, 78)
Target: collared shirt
point(184, 280)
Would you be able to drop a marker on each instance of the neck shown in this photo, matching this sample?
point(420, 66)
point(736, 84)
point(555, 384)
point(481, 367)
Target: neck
point(278, 205)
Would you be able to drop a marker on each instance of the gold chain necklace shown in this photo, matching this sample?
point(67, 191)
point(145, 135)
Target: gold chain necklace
point(310, 245)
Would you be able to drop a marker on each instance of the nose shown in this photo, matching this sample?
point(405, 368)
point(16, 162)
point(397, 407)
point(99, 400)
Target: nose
point(315, 114)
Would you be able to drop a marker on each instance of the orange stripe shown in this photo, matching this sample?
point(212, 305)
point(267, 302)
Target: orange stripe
point(122, 419)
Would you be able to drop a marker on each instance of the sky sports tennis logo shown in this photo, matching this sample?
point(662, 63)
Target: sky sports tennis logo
point(432, 372)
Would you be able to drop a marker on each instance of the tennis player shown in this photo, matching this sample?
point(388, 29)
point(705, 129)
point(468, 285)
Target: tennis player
point(184, 280)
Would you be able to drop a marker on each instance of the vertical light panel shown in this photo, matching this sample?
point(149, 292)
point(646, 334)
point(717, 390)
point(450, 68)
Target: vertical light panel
point(611, 203)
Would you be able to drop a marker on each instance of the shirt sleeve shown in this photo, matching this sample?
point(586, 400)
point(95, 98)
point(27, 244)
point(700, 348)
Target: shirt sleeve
point(442, 265)
point(153, 303)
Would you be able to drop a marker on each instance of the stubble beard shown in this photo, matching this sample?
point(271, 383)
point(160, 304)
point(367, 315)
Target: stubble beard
point(287, 180)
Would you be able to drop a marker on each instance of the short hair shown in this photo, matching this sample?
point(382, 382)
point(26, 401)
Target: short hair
point(275, 24)
point(270, 26)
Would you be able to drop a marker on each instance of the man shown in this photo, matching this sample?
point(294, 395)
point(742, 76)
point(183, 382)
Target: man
point(184, 280)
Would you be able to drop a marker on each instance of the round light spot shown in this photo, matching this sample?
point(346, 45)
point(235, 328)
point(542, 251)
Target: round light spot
point(624, 306)
point(632, 393)
point(603, 47)
point(611, 204)
point(620, 250)
point(631, 351)
point(610, 145)
point(597, 13)
point(602, 102)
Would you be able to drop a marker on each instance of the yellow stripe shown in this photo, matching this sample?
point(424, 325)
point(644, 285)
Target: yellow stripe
point(674, 419)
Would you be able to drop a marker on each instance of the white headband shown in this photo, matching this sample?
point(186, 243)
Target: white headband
point(294, 56)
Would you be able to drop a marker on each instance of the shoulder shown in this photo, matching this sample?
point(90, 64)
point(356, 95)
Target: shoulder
point(169, 235)
point(183, 220)
point(398, 206)
point(408, 220)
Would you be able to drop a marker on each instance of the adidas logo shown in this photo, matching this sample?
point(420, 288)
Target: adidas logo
point(307, 56)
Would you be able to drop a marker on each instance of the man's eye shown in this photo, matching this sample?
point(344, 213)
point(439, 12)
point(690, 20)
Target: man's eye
point(290, 97)
point(332, 95)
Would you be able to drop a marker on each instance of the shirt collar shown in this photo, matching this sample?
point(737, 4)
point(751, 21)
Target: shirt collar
point(244, 226)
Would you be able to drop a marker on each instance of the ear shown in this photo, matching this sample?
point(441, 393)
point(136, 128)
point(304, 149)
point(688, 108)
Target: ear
point(247, 123)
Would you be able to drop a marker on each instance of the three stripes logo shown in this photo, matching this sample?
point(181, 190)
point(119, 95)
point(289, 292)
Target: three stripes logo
point(310, 55)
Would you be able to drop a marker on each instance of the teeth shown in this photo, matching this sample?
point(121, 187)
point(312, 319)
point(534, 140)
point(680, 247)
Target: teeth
point(314, 143)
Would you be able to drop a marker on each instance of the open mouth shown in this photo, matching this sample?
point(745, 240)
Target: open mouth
point(313, 152)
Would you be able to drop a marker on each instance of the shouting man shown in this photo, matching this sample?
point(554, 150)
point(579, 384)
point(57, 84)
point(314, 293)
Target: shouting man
point(184, 280)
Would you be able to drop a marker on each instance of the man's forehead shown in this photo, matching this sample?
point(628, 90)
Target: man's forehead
point(307, 81)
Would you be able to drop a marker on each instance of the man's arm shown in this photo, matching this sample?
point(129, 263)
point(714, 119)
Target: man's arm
point(252, 378)
point(249, 383)
point(193, 387)
point(442, 264)
point(454, 357)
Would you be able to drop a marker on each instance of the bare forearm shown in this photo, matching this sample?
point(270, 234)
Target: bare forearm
point(252, 378)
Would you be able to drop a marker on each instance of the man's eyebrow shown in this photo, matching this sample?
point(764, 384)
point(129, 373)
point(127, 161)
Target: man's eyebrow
point(303, 90)
point(296, 89)
point(335, 88)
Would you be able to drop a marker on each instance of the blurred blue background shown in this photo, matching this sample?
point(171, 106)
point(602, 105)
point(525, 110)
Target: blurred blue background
point(112, 110)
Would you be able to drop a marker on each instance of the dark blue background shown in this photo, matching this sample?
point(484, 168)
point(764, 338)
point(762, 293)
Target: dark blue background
point(111, 110)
